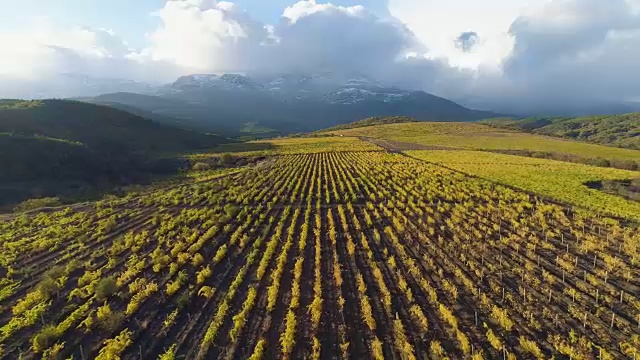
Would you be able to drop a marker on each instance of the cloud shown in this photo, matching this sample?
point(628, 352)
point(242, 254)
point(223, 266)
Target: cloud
point(302, 9)
point(205, 36)
point(439, 23)
point(332, 38)
point(466, 41)
point(577, 50)
point(520, 54)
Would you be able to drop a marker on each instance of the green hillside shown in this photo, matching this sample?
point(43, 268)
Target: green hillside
point(65, 148)
point(615, 130)
point(377, 120)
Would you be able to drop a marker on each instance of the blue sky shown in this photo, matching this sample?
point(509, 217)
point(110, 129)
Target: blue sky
point(132, 19)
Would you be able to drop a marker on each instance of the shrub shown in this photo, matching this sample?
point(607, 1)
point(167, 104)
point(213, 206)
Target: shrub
point(105, 288)
point(226, 159)
point(598, 162)
point(201, 166)
point(109, 320)
point(231, 210)
point(48, 286)
point(33, 204)
point(45, 338)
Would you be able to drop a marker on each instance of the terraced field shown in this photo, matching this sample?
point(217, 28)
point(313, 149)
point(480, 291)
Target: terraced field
point(322, 254)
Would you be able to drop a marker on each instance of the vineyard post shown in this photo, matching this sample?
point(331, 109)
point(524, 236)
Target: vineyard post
point(595, 257)
point(597, 295)
point(81, 352)
point(140, 351)
point(584, 322)
point(621, 295)
point(476, 316)
point(613, 317)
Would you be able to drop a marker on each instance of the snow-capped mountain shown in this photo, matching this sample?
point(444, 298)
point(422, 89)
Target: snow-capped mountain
point(288, 102)
point(353, 94)
point(209, 81)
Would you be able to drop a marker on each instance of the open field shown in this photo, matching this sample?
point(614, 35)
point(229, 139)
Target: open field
point(481, 137)
point(351, 254)
point(565, 182)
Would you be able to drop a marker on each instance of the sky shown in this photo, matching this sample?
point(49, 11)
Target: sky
point(486, 52)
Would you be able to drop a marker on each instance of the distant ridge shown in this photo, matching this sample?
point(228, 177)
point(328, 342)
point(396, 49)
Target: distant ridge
point(372, 121)
point(613, 130)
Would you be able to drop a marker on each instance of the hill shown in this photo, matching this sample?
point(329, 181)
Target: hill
point(614, 130)
point(51, 147)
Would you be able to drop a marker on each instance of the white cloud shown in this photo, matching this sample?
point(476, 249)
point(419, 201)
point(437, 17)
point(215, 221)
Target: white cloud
point(310, 7)
point(205, 36)
point(439, 23)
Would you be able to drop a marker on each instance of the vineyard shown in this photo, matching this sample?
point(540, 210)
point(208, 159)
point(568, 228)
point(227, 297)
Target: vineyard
point(555, 179)
point(474, 136)
point(332, 255)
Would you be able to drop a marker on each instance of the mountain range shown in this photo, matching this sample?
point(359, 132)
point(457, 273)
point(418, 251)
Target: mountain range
point(235, 104)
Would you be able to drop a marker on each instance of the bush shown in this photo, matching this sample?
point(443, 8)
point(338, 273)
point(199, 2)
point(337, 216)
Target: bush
point(109, 320)
point(48, 286)
point(625, 164)
point(598, 162)
point(105, 288)
point(33, 204)
point(45, 338)
point(201, 167)
point(227, 159)
point(231, 210)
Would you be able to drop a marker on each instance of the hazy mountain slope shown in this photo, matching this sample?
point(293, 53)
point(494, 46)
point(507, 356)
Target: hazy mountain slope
point(99, 127)
point(54, 147)
point(613, 130)
point(372, 121)
point(288, 104)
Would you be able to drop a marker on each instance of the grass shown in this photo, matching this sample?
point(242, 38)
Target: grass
point(481, 137)
point(554, 179)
